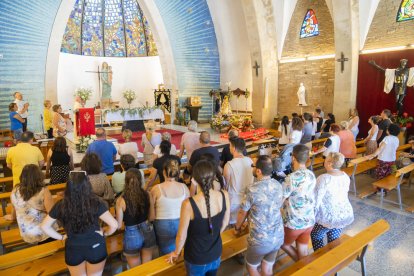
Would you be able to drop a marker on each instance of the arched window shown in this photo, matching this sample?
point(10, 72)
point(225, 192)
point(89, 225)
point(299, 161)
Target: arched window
point(111, 28)
point(310, 26)
point(406, 11)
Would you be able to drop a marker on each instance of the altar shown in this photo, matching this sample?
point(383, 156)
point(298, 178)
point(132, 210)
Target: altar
point(125, 115)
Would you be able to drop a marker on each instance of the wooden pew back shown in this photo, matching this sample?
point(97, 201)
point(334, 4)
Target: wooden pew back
point(341, 255)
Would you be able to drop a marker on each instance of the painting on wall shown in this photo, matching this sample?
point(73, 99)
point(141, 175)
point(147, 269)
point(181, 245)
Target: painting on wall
point(310, 26)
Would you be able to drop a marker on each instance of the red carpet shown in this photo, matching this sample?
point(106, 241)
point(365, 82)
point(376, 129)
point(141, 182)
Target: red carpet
point(137, 137)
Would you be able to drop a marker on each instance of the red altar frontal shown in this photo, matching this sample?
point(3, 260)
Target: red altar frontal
point(85, 121)
point(254, 135)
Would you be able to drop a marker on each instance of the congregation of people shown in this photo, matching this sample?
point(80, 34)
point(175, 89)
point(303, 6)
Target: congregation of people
point(188, 211)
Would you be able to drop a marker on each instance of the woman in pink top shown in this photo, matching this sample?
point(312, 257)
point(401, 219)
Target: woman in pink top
point(348, 146)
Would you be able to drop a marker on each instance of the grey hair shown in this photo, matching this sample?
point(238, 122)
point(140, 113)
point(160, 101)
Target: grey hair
point(192, 125)
point(337, 159)
point(233, 133)
point(166, 136)
point(344, 124)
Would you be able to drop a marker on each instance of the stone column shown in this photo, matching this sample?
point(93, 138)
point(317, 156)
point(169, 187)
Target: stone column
point(346, 28)
point(262, 41)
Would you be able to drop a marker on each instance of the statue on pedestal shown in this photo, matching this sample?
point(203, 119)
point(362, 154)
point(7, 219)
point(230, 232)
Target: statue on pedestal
point(302, 95)
point(398, 79)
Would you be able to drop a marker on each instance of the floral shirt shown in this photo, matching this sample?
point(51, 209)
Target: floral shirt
point(263, 199)
point(30, 215)
point(298, 192)
point(333, 209)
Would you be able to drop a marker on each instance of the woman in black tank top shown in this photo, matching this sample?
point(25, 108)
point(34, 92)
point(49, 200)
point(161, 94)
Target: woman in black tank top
point(200, 236)
point(134, 208)
point(59, 161)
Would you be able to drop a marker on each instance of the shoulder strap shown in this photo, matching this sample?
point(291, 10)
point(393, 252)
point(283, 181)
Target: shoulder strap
point(196, 211)
point(224, 207)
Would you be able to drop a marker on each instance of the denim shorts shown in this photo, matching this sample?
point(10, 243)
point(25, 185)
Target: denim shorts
point(137, 237)
point(17, 133)
point(90, 247)
point(166, 231)
point(209, 269)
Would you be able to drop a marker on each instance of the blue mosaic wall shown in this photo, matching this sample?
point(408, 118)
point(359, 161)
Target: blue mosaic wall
point(193, 40)
point(25, 27)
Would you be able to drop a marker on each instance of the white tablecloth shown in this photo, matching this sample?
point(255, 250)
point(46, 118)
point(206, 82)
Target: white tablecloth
point(148, 115)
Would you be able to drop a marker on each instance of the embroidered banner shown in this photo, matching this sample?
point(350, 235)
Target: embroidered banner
point(85, 121)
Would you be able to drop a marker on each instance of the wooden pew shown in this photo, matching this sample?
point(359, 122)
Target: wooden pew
point(334, 257)
point(46, 259)
point(357, 166)
point(232, 245)
point(391, 182)
point(367, 166)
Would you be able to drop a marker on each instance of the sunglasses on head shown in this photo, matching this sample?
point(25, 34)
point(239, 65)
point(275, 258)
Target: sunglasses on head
point(84, 172)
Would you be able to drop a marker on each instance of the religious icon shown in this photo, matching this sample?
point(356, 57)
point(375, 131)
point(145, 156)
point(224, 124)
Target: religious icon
point(310, 26)
point(302, 95)
point(163, 98)
point(398, 79)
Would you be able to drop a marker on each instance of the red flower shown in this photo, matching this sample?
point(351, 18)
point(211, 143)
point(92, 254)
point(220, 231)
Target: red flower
point(409, 125)
point(405, 114)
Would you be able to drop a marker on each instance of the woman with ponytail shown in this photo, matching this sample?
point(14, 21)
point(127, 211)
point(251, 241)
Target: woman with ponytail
point(168, 197)
point(203, 218)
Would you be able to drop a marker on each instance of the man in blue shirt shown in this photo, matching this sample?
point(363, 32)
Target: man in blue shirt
point(105, 150)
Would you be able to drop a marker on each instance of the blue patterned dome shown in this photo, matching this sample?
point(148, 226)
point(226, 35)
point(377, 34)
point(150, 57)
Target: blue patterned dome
point(111, 28)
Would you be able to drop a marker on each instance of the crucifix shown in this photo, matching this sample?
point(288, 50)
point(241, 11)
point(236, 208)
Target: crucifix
point(256, 66)
point(99, 72)
point(342, 61)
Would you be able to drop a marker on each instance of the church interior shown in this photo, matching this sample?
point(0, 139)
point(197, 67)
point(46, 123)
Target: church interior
point(257, 80)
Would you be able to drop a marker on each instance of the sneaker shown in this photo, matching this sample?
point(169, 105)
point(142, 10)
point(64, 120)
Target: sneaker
point(240, 259)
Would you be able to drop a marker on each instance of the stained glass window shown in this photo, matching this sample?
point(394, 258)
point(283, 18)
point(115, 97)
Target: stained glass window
point(113, 28)
point(406, 11)
point(92, 33)
point(135, 34)
point(71, 42)
point(310, 26)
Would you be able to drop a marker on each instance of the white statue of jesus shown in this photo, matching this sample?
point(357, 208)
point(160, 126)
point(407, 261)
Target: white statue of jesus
point(301, 95)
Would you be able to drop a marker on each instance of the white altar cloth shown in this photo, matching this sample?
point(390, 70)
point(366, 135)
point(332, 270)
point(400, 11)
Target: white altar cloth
point(147, 115)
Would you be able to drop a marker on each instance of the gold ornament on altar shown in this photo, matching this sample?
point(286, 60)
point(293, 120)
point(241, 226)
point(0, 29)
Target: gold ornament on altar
point(194, 101)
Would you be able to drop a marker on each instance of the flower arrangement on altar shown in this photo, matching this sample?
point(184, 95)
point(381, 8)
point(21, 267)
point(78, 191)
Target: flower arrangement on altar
point(85, 141)
point(129, 96)
point(83, 93)
point(404, 121)
point(133, 111)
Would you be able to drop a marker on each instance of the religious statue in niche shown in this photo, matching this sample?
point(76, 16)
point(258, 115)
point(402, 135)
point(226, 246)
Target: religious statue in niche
point(163, 98)
point(106, 82)
point(398, 79)
point(302, 95)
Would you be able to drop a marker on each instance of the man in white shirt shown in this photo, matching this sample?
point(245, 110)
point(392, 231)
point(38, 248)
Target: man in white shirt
point(22, 108)
point(237, 173)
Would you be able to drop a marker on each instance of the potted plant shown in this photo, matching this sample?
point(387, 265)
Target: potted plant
point(83, 93)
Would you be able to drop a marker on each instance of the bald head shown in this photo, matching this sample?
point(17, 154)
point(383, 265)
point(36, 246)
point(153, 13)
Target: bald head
point(205, 138)
point(100, 133)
